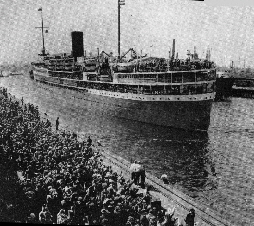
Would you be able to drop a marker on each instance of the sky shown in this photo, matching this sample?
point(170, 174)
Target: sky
point(224, 26)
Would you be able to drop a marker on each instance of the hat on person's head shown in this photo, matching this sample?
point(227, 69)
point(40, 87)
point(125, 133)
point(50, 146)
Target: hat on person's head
point(104, 185)
point(131, 219)
point(91, 205)
point(108, 174)
point(32, 215)
point(117, 209)
point(192, 211)
point(104, 211)
point(112, 203)
point(110, 206)
point(164, 176)
point(106, 201)
point(63, 202)
point(111, 181)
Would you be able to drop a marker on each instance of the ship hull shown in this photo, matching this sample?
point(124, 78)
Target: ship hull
point(187, 115)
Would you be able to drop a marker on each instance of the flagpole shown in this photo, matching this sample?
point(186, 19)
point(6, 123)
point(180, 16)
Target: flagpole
point(119, 30)
point(120, 2)
point(43, 44)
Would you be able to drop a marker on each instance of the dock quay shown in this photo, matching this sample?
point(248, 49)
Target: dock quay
point(168, 195)
point(243, 87)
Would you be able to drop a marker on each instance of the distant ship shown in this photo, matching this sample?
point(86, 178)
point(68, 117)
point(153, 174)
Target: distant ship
point(166, 92)
point(224, 84)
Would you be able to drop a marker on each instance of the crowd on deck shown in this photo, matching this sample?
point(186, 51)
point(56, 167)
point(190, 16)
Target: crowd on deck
point(64, 181)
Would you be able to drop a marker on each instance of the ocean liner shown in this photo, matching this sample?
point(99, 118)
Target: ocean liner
point(166, 92)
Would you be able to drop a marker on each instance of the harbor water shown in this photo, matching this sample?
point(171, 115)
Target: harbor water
point(215, 168)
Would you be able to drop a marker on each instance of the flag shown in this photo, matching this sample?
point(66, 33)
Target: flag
point(121, 2)
point(40, 9)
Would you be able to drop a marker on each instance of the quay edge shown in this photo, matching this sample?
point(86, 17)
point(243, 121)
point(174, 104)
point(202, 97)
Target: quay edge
point(168, 194)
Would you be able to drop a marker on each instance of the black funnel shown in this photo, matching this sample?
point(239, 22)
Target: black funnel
point(77, 44)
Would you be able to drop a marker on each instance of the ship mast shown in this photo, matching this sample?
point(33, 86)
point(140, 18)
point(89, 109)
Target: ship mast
point(120, 2)
point(42, 32)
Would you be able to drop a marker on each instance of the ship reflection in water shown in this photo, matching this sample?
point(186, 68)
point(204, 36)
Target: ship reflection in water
point(182, 155)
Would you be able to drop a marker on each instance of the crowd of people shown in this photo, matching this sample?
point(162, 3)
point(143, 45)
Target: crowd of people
point(61, 180)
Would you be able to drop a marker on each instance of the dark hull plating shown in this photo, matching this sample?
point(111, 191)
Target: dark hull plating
point(188, 115)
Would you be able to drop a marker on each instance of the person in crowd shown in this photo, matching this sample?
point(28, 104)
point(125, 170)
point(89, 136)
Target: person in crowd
point(32, 219)
point(141, 174)
point(66, 178)
point(89, 141)
point(42, 215)
point(133, 171)
point(164, 178)
point(190, 218)
point(62, 217)
point(57, 123)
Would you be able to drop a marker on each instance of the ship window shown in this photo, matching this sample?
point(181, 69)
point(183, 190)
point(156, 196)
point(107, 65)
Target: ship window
point(211, 75)
point(177, 77)
point(201, 88)
point(161, 77)
point(189, 89)
point(188, 77)
point(167, 89)
point(210, 87)
point(175, 90)
point(201, 76)
point(157, 89)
